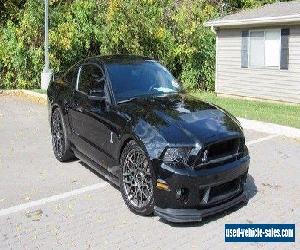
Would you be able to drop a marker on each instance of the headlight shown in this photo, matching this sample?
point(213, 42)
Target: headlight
point(177, 155)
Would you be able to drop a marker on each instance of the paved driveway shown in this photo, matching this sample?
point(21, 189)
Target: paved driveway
point(46, 204)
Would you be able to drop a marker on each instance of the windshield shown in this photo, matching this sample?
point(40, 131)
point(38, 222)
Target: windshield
point(140, 79)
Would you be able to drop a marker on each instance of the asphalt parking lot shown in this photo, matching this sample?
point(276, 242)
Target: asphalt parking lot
point(45, 204)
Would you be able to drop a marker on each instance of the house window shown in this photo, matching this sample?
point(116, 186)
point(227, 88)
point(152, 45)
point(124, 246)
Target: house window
point(264, 48)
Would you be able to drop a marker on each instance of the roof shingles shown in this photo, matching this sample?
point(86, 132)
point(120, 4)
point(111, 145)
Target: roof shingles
point(278, 10)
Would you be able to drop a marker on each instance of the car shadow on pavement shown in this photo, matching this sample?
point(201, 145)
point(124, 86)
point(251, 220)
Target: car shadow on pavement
point(250, 191)
point(250, 187)
point(99, 175)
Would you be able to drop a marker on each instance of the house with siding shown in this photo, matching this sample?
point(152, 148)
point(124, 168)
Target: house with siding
point(258, 53)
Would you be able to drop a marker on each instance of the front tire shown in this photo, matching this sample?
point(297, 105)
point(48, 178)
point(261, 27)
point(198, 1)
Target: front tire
point(60, 142)
point(137, 180)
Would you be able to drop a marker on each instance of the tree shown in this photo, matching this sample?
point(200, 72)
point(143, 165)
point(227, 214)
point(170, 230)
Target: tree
point(230, 6)
point(10, 10)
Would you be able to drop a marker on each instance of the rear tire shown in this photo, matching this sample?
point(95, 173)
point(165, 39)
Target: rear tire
point(60, 141)
point(137, 180)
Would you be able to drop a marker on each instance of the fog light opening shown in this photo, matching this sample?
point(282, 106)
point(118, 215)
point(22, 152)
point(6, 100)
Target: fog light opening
point(182, 195)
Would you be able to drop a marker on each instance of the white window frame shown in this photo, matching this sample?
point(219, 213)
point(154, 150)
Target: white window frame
point(249, 48)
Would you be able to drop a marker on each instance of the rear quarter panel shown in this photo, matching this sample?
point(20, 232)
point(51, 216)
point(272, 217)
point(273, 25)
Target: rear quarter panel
point(59, 94)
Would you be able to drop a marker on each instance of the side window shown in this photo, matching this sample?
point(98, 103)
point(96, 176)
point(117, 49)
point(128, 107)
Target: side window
point(71, 75)
point(91, 79)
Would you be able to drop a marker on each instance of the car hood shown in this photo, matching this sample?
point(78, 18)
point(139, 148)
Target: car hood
point(181, 119)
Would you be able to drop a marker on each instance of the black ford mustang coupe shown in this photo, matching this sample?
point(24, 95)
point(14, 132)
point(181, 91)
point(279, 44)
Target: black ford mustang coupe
point(171, 154)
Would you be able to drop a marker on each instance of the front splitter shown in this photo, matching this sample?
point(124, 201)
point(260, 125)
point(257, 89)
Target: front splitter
point(194, 215)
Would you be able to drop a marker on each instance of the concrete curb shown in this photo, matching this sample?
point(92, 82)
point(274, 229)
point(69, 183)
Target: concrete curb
point(33, 96)
point(270, 128)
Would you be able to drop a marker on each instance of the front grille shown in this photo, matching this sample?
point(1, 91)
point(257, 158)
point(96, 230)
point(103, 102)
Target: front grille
point(214, 153)
point(224, 148)
point(213, 195)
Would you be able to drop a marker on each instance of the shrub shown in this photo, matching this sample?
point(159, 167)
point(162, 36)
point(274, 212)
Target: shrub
point(168, 30)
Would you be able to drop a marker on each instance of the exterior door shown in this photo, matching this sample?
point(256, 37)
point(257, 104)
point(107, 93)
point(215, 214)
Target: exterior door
point(88, 116)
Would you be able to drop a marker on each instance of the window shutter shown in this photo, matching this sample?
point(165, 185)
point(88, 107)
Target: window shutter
point(244, 49)
point(284, 55)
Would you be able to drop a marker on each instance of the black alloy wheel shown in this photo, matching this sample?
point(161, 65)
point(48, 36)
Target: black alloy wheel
point(60, 142)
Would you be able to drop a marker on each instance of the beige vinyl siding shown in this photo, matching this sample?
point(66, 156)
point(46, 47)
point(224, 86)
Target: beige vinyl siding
point(264, 83)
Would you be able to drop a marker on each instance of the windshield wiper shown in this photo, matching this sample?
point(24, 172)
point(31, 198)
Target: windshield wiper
point(154, 94)
point(127, 100)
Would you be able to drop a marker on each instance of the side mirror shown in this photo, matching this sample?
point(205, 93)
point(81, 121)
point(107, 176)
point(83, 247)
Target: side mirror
point(97, 95)
point(57, 78)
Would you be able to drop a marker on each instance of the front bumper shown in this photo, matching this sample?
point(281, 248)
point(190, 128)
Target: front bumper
point(193, 215)
point(204, 191)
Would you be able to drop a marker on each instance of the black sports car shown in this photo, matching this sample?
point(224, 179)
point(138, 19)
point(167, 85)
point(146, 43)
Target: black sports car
point(169, 153)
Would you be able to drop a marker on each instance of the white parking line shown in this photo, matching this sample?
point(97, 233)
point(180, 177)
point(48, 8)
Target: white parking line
point(43, 201)
point(261, 139)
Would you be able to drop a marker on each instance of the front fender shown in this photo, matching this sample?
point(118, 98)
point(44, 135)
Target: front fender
point(152, 141)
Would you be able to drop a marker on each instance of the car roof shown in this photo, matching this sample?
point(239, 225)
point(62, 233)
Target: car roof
point(119, 59)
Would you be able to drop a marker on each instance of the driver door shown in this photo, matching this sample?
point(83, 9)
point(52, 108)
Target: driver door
point(87, 115)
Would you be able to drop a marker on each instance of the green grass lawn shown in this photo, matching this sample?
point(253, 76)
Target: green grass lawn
point(284, 114)
point(40, 91)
